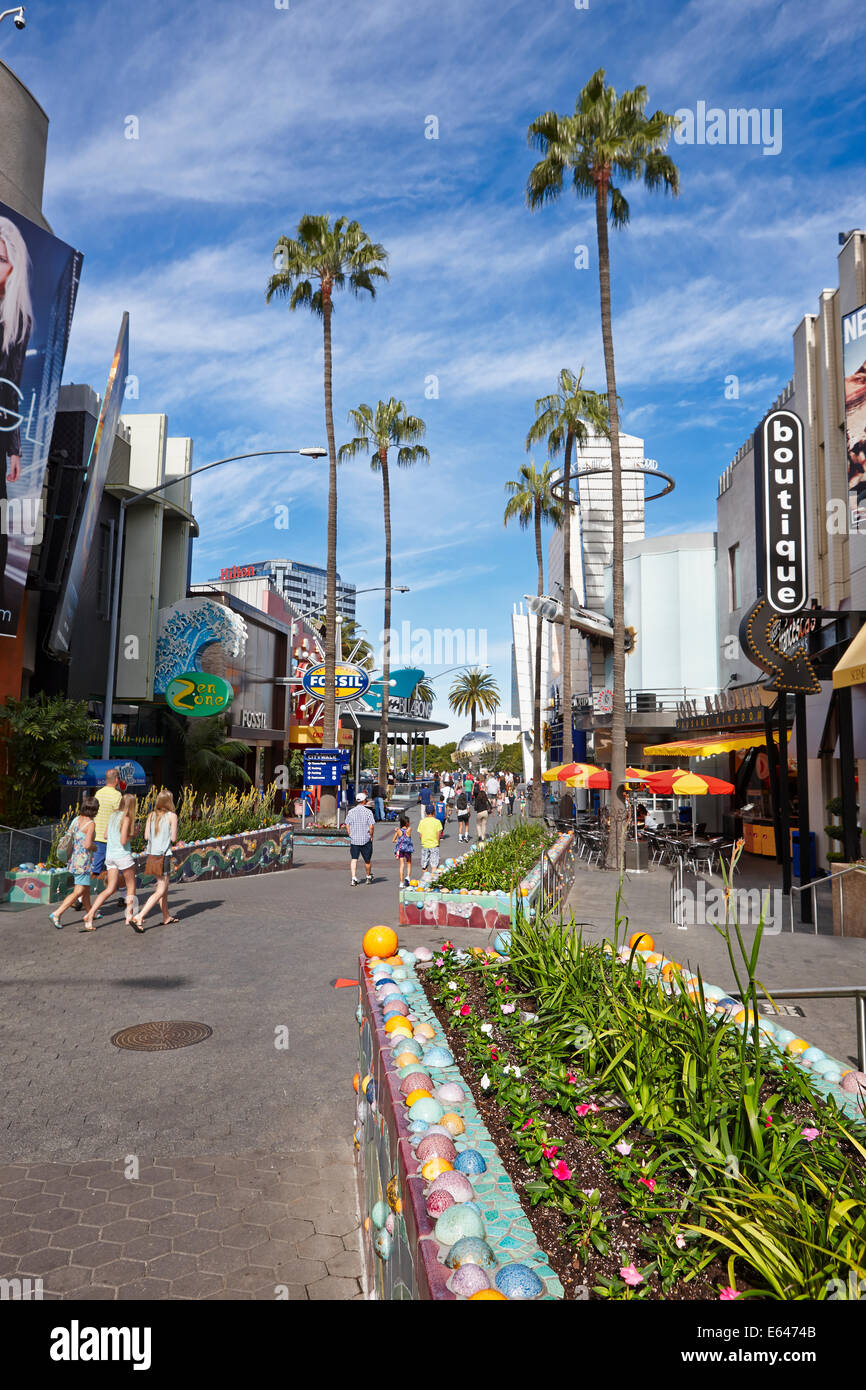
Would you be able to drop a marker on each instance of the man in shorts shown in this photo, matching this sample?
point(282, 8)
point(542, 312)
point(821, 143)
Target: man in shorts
point(360, 822)
point(429, 833)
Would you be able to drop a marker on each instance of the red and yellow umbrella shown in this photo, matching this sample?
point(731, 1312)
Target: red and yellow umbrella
point(583, 775)
point(677, 781)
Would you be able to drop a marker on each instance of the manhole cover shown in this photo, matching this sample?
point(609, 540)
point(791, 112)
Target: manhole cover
point(160, 1037)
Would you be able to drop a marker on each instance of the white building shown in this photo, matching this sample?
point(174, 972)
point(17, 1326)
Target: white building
point(670, 601)
point(501, 728)
point(523, 628)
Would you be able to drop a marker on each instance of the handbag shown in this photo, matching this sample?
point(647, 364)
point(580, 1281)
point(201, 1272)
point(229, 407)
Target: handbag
point(63, 848)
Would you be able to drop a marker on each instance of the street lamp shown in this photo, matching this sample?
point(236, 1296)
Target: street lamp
point(125, 503)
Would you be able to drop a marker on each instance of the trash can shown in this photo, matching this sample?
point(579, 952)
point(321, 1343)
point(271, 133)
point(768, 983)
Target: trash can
point(795, 853)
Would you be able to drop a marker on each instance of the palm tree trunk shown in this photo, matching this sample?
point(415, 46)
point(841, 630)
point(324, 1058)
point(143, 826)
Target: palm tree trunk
point(474, 713)
point(328, 804)
point(567, 749)
point(537, 803)
point(386, 650)
point(616, 839)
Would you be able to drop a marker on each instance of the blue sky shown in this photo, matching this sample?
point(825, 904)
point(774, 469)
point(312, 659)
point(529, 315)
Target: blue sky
point(250, 115)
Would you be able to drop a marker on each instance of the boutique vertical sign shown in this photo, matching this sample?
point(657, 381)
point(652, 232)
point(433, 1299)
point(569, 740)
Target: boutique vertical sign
point(784, 509)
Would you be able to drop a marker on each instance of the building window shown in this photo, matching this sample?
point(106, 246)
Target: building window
point(734, 586)
point(103, 572)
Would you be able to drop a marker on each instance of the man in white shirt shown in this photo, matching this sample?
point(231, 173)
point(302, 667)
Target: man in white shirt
point(360, 822)
point(491, 786)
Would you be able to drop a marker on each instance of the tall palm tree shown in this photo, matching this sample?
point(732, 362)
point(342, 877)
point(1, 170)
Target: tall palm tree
point(351, 639)
point(530, 503)
point(608, 136)
point(309, 267)
point(389, 426)
point(474, 690)
point(566, 418)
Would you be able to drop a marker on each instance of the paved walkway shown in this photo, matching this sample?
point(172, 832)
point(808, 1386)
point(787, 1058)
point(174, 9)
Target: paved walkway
point(798, 959)
point(222, 1170)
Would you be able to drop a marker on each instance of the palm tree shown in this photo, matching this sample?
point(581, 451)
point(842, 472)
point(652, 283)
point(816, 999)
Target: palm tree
point(530, 503)
point(474, 690)
point(563, 420)
point(607, 136)
point(351, 639)
point(377, 432)
point(424, 691)
point(331, 258)
point(210, 757)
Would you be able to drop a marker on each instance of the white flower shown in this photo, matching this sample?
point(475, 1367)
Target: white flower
point(517, 1071)
point(485, 1081)
point(487, 1027)
point(452, 984)
point(529, 1018)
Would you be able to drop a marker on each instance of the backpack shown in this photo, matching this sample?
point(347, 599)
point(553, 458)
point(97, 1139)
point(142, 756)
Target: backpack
point(461, 803)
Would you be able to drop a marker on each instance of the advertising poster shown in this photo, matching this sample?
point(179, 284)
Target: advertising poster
point(38, 283)
point(60, 639)
point(854, 367)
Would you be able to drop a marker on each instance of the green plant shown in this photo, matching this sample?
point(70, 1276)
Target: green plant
point(44, 736)
point(501, 862)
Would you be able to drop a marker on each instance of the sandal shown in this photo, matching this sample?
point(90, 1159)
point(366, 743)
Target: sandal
point(54, 922)
point(136, 925)
point(169, 920)
point(84, 927)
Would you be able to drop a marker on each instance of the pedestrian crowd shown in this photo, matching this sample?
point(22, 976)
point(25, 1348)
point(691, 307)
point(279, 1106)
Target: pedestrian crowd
point(98, 843)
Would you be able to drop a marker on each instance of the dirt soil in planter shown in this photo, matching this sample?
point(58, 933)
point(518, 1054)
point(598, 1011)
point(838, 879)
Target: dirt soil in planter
point(580, 1267)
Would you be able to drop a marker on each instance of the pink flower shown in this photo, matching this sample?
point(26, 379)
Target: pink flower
point(551, 1152)
point(562, 1171)
point(508, 1008)
point(631, 1276)
point(585, 1108)
point(768, 1121)
point(500, 981)
point(439, 961)
point(680, 1242)
point(465, 1010)
point(623, 1148)
point(572, 1079)
point(809, 1133)
point(648, 1182)
point(526, 1125)
point(727, 1295)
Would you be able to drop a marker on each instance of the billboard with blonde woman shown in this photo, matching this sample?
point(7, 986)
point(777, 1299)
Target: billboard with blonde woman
point(38, 282)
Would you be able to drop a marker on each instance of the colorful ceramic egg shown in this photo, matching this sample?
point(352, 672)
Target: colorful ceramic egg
point(452, 1123)
point(436, 1056)
point(420, 1093)
point(518, 1281)
point(450, 1093)
point(456, 1183)
point(456, 1224)
point(382, 1244)
point(468, 1280)
point(470, 1162)
point(416, 1080)
point(435, 1167)
point(426, 1109)
point(399, 1046)
point(379, 1214)
point(854, 1082)
point(438, 1201)
point(436, 1146)
point(470, 1250)
point(423, 1030)
point(423, 953)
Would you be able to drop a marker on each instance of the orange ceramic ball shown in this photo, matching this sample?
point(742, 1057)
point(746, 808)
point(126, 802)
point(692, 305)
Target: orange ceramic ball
point(355, 1081)
point(434, 1166)
point(452, 1123)
point(424, 1030)
point(671, 968)
point(796, 1045)
point(418, 1094)
point(405, 1059)
point(652, 957)
point(488, 1294)
point(394, 960)
point(398, 1024)
point(380, 941)
point(642, 940)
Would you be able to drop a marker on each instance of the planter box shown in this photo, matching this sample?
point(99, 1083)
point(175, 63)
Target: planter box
point(494, 911)
point(234, 856)
point(849, 900)
point(322, 838)
point(410, 1264)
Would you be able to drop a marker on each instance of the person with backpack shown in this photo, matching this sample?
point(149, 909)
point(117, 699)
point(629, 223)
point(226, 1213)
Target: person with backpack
point(461, 807)
point(79, 848)
point(403, 848)
point(482, 811)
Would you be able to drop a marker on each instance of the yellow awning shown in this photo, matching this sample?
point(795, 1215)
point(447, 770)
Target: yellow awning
point(708, 745)
point(851, 669)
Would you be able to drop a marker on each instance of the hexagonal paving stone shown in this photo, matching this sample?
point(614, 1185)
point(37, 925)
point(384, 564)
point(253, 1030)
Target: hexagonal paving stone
point(40, 1261)
point(150, 1208)
point(195, 1242)
point(145, 1289)
point(41, 1201)
point(336, 1223)
point(192, 1168)
point(120, 1272)
point(223, 1259)
point(57, 1219)
point(73, 1237)
point(244, 1236)
point(11, 1224)
point(273, 1254)
point(347, 1264)
point(292, 1228)
point(92, 1293)
point(320, 1247)
point(171, 1266)
point(177, 1223)
point(174, 1187)
point(98, 1253)
point(66, 1278)
point(23, 1188)
point(262, 1213)
point(124, 1230)
point(198, 1285)
point(332, 1288)
point(196, 1203)
point(146, 1247)
point(219, 1220)
point(23, 1242)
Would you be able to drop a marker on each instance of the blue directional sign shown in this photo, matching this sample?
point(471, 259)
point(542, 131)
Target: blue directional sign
point(323, 767)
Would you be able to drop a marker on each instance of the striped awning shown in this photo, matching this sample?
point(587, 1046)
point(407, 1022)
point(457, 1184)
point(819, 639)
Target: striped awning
point(709, 744)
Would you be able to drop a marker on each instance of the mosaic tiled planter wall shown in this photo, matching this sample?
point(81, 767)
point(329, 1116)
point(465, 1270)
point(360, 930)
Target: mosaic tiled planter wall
point(462, 1232)
point(233, 856)
point(429, 906)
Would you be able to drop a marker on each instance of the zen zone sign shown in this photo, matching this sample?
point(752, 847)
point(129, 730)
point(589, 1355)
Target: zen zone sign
point(784, 511)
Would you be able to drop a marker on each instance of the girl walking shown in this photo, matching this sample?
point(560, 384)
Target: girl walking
point(160, 833)
point(403, 848)
point(80, 862)
point(118, 859)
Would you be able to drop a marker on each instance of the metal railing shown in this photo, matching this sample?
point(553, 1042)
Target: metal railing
point(857, 992)
point(818, 883)
point(646, 701)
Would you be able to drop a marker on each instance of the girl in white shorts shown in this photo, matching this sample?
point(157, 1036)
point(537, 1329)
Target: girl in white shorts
point(118, 859)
